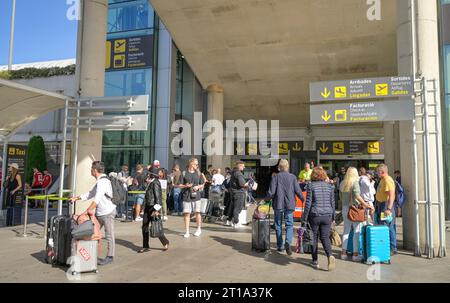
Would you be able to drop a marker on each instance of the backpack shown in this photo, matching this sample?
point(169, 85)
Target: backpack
point(400, 197)
point(118, 191)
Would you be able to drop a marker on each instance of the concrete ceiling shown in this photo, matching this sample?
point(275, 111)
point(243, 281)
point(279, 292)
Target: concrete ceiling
point(266, 52)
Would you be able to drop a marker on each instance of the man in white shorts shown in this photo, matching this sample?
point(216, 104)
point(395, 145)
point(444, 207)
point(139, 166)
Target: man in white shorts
point(191, 183)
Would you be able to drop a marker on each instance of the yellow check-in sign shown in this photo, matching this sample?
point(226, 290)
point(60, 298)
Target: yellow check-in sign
point(373, 147)
point(119, 61)
point(252, 148)
point(382, 89)
point(120, 46)
point(340, 115)
point(338, 147)
point(283, 148)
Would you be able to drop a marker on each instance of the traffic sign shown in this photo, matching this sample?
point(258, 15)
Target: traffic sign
point(357, 89)
point(358, 112)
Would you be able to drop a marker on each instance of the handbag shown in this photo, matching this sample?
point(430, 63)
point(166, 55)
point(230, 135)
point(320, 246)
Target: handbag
point(335, 238)
point(83, 230)
point(156, 227)
point(356, 214)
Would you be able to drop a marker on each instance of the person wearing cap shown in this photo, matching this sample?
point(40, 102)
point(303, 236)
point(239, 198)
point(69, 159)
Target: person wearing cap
point(13, 184)
point(152, 206)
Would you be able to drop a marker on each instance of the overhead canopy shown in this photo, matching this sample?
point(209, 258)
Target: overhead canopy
point(21, 104)
point(265, 53)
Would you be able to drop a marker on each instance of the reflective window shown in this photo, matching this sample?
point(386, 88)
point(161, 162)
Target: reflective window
point(130, 15)
point(128, 82)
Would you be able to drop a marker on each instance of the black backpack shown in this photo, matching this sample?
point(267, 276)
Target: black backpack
point(118, 190)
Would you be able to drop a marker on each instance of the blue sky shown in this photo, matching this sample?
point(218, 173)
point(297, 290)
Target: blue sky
point(42, 31)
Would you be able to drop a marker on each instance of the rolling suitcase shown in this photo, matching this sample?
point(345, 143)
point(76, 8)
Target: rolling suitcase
point(378, 249)
point(84, 256)
point(59, 240)
point(261, 234)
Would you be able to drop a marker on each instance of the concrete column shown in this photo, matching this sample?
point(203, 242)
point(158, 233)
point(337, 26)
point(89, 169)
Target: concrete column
point(427, 54)
point(92, 81)
point(389, 145)
point(215, 111)
point(165, 100)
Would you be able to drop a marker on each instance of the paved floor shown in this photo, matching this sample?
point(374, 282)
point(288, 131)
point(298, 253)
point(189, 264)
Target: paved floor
point(220, 255)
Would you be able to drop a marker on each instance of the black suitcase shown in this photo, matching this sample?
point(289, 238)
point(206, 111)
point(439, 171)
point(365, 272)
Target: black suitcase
point(13, 216)
point(59, 240)
point(261, 234)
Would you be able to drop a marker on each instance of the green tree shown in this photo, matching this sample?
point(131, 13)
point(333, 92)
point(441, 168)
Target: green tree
point(35, 157)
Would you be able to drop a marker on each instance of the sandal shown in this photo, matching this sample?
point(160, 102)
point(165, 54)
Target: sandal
point(143, 250)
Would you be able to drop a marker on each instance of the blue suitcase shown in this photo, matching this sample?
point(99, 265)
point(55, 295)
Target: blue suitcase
point(378, 249)
point(361, 242)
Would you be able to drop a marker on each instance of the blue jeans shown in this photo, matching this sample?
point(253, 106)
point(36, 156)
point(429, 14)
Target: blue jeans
point(379, 208)
point(177, 200)
point(289, 223)
point(121, 209)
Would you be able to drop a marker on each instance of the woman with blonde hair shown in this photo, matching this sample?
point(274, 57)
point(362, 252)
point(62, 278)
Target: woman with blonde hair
point(349, 193)
point(13, 184)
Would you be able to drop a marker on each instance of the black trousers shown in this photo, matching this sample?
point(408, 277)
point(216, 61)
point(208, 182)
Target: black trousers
point(236, 206)
point(146, 231)
point(321, 226)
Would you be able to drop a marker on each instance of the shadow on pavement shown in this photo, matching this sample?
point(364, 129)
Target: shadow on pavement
point(226, 229)
point(40, 256)
point(135, 247)
point(272, 256)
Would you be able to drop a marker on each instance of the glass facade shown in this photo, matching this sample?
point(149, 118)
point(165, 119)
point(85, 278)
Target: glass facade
point(445, 51)
point(127, 20)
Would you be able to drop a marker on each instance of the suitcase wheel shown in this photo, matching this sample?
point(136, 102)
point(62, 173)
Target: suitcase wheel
point(74, 273)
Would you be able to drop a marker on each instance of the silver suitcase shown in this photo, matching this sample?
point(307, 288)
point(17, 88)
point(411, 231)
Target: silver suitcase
point(84, 254)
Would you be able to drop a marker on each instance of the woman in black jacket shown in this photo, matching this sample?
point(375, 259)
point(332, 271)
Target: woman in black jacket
point(152, 205)
point(320, 213)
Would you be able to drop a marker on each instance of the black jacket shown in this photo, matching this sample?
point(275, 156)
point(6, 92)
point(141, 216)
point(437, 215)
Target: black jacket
point(283, 188)
point(319, 200)
point(153, 195)
point(237, 181)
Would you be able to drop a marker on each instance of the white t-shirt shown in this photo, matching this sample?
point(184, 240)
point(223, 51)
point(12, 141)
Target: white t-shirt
point(218, 179)
point(104, 205)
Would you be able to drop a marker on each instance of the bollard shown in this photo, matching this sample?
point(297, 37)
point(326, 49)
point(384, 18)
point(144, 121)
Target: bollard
point(25, 221)
point(46, 219)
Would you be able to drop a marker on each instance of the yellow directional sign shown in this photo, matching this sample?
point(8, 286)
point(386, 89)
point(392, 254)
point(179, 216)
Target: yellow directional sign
point(296, 147)
point(324, 148)
point(326, 93)
point(283, 148)
point(326, 116)
point(252, 148)
point(340, 92)
point(108, 55)
point(120, 46)
point(239, 149)
point(382, 89)
point(338, 147)
point(340, 115)
point(373, 147)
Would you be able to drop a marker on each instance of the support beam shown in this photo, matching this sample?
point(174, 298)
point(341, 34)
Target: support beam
point(215, 112)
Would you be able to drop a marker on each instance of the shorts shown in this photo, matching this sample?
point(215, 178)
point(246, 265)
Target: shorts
point(139, 199)
point(187, 206)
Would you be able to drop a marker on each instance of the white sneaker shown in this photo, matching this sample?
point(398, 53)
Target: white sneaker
point(123, 217)
point(344, 257)
point(186, 235)
point(198, 233)
point(238, 225)
point(228, 223)
point(138, 219)
point(165, 218)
